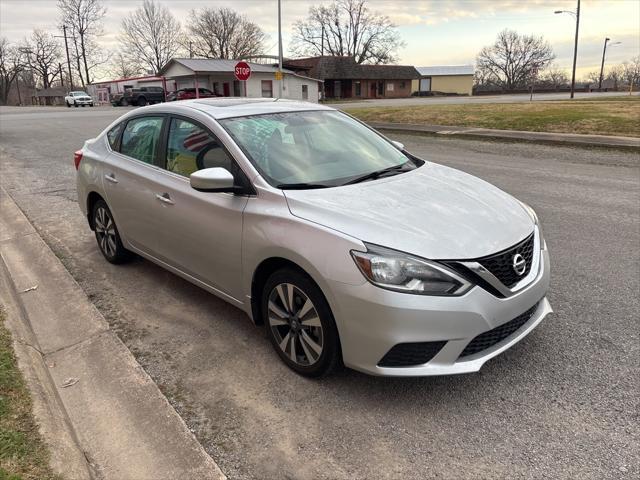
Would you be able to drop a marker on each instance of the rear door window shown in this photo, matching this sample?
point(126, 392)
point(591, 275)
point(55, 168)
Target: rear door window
point(140, 139)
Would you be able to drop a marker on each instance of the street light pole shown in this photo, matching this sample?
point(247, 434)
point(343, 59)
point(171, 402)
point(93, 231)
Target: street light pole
point(575, 45)
point(280, 83)
point(604, 52)
point(575, 51)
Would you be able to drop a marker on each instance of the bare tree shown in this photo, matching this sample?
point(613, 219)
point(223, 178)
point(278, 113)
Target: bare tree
point(615, 74)
point(592, 77)
point(631, 72)
point(554, 77)
point(43, 56)
point(223, 33)
point(121, 66)
point(85, 19)
point(10, 67)
point(151, 35)
point(347, 28)
point(514, 59)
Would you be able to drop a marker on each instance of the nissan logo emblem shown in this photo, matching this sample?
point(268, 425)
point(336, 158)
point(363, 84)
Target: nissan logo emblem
point(519, 264)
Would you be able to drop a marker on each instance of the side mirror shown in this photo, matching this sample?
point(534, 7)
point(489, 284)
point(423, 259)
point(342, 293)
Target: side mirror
point(213, 180)
point(399, 146)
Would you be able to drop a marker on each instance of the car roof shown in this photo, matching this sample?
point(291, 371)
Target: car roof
point(228, 107)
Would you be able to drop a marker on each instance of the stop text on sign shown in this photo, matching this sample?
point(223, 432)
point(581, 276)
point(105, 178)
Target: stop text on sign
point(242, 71)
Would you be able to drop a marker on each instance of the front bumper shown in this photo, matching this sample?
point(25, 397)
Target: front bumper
point(372, 320)
point(84, 102)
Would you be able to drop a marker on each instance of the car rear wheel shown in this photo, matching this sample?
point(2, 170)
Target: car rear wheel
point(300, 324)
point(107, 234)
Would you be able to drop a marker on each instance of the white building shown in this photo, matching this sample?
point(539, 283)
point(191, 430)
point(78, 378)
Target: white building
point(218, 76)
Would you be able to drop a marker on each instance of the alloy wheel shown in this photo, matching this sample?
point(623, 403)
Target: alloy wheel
point(295, 324)
point(105, 231)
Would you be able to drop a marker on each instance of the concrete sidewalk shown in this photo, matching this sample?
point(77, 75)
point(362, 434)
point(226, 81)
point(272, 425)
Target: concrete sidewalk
point(100, 413)
point(558, 138)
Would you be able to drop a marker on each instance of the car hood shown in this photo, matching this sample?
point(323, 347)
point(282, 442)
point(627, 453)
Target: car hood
point(434, 212)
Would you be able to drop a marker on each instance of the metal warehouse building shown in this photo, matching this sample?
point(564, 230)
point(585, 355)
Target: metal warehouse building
point(452, 79)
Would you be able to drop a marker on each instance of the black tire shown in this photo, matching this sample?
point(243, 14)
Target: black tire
point(109, 244)
point(300, 333)
point(68, 104)
point(75, 104)
point(142, 101)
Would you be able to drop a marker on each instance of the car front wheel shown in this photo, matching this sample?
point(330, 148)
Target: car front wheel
point(300, 324)
point(107, 234)
point(68, 104)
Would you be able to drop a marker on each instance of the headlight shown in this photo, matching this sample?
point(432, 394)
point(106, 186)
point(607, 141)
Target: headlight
point(534, 217)
point(402, 272)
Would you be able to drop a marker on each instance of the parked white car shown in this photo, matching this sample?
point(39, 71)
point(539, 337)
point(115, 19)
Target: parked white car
point(78, 99)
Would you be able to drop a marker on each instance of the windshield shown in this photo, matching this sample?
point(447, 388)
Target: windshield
point(313, 148)
point(79, 94)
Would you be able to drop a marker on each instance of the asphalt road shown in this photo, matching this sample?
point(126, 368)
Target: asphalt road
point(564, 403)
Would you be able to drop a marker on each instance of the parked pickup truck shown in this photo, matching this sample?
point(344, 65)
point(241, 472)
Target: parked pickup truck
point(78, 99)
point(139, 96)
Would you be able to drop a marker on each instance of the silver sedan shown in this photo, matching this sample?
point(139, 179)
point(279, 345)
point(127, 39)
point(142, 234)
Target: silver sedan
point(346, 247)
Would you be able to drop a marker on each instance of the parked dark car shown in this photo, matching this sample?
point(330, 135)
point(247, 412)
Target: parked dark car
point(139, 96)
point(190, 93)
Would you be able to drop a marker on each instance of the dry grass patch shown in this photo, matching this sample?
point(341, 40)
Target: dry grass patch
point(23, 455)
point(613, 116)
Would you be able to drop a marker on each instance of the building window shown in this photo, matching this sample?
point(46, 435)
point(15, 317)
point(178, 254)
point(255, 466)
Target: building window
point(267, 88)
point(402, 84)
point(305, 92)
point(390, 87)
point(358, 89)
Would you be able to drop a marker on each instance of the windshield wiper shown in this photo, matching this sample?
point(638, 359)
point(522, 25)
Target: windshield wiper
point(378, 173)
point(301, 186)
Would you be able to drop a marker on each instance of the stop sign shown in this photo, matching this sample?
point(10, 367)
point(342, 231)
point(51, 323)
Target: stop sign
point(242, 71)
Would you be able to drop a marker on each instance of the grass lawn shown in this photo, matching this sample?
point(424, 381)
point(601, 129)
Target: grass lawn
point(23, 455)
point(610, 116)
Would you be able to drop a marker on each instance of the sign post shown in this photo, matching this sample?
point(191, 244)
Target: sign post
point(242, 71)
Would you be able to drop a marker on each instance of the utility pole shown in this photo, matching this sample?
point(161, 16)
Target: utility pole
point(281, 83)
point(66, 47)
point(322, 42)
point(61, 74)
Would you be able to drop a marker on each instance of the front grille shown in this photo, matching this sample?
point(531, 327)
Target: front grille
point(489, 339)
point(501, 264)
point(410, 354)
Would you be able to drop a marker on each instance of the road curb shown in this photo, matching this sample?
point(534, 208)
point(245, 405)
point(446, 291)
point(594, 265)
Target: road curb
point(601, 141)
point(98, 410)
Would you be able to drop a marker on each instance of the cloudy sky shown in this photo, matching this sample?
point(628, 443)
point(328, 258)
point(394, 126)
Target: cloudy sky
point(436, 32)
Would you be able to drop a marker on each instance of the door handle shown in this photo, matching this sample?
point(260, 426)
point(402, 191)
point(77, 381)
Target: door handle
point(111, 178)
point(164, 198)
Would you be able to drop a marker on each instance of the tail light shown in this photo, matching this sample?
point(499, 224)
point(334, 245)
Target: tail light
point(77, 157)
